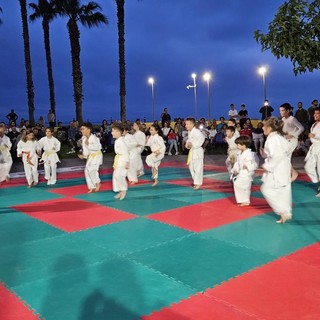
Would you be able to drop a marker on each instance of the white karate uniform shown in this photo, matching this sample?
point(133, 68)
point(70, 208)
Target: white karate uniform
point(312, 160)
point(49, 157)
point(92, 152)
point(195, 156)
point(5, 158)
point(131, 143)
point(28, 150)
point(232, 151)
point(121, 160)
point(276, 186)
point(294, 128)
point(155, 143)
point(243, 170)
point(141, 141)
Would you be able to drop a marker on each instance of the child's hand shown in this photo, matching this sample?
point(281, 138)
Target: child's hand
point(157, 152)
point(86, 141)
point(127, 166)
point(80, 156)
point(189, 145)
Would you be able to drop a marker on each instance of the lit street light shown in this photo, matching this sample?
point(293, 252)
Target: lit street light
point(151, 81)
point(194, 86)
point(263, 71)
point(207, 78)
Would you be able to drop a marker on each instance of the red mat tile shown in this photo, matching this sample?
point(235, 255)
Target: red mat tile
point(309, 255)
point(199, 307)
point(11, 308)
point(303, 177)
point(283, 289)
point(170, 164)
point(213, 167)
point(71, 215)
point(201, 217)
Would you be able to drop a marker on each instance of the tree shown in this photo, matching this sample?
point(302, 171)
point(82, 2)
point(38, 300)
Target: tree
point(0, 19)
point(89, 16)
point(47, 11)
point(294, 33)
point(122, 62)
point(27, 60)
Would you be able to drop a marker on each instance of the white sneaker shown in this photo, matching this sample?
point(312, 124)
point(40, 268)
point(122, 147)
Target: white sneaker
point(169, 154)
point(177, 153)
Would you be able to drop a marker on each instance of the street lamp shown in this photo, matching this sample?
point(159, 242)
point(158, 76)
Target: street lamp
point(207, 78)
point(194, 86)
point(151, 82)
point(263, 71)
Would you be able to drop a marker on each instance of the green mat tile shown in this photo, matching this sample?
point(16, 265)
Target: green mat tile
point(198, 261)
point(116, 289)
point(8, 215)
point(223, 176)
point(128, 236)
point(264, 234)
point(33, 260)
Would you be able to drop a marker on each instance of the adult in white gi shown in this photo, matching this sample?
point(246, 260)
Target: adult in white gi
point(276, 186)
point(27, 149)
point(5, 156)
point(50, 146)
point(243, 170)
point(158, 149)
point(121, 162)
point(312, 160)
point(292, 129)
point(132, 145)
point(232, 147)
point(141, 141)
point(196, 153)
point(91, 150)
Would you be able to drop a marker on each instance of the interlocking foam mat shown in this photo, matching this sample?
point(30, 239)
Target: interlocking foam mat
point(168, 252)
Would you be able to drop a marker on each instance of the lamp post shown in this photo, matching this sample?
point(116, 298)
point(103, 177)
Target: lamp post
point(194, 86)
point(263, 71)
point(151, 82)
point(207, 78)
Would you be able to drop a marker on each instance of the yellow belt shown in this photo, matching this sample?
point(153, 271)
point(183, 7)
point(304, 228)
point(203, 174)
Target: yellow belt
point(115, 161)
point(189, 156)
point(49, 153)
point(92, 155)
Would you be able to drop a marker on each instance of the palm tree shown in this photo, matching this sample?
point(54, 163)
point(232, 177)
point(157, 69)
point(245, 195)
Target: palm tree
point(47, 11)
point(0, 19)
point(122, 62)
point(89, 16)
point(27, 60)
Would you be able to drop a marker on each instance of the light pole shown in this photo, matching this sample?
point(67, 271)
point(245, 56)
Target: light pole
point(263, 71)
point(151, 82)
point(207, 78)
point(194, 86)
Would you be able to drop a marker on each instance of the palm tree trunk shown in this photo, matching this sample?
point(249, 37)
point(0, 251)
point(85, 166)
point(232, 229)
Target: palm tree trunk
point(27, 60)
point(74, 36)
point(46, 33)
point(122, 62)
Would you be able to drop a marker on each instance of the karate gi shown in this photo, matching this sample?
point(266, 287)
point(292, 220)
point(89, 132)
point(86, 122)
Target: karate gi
point(28, 150)
point(232, 151)
point(5, 158)
point(195, 156)
point(294, 128)
point(121, 160)
point(155, 143)
point(243, 170)
point(131, 143)
point(92, 152)
point(276, 187)
point(49, 157)
point(141, 141)
point(312, 160)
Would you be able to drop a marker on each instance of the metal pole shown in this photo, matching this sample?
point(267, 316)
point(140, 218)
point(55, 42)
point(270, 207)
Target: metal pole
point(195, 98)
point(152, 93)
point(264, 86)
point(209, 100)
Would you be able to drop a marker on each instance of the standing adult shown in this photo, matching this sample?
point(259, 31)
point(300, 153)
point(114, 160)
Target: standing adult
point(165, 117)
point(302, 115)
point(51, 118)
point(266, 110)
point(243, 114)
point(233, 113)
point(12, 116)
point(312, 108)
point(312, 159)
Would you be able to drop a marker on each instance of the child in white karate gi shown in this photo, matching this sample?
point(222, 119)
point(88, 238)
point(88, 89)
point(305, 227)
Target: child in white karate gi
point(312, 160)
point(50, 146)
point(5, 156)
point(91, 150)
point(121, 162)
point(158, 149)
point(276, 187)
point(27, 149)
point(141, 141)
point(232, 148)
point(243, 170)
point(196, 153)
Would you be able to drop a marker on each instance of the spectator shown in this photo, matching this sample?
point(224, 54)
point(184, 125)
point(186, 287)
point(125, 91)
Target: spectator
point(221, 124)
point(258, 137)
point(212, 132)
point(61, 132)
point(51, 118)
point(12, 116)
point(243, 114)
point(311, 110)
point(249, 124)
point(266, 110)
point(165, 117)
point(172, 141)
point(302, 115)
point(72, 131)
point(165, 130)
point(233, 113)
point(40, 121)
point(246, 131)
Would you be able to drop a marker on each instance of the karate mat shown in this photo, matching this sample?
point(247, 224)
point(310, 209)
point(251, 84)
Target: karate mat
point(168, 252)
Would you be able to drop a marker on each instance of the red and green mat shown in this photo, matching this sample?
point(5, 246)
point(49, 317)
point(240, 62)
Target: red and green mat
point(168, 252)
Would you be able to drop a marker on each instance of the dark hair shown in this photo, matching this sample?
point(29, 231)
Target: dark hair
point(126, 127)
point(193, 120)
point(88, 125)
point(275, 124)
point(49, 128)
point(222, 118)
point(118, 126)
point(233, 120)
point(158, 129)
point(24, 135)
point(286, 106)
point(243, 141)
point(231, 128)
point(317, 109)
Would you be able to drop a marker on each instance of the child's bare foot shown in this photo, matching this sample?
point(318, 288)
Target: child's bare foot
point(91, 190)
point(294, 175)
point(284, 218)
point(122, 195)
point(155, 182)
point(35, 183)
point(133, 182)
point(196, 187)
point(98, 185)
point(118, 195)
point(244, 204)
point(29, 186)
